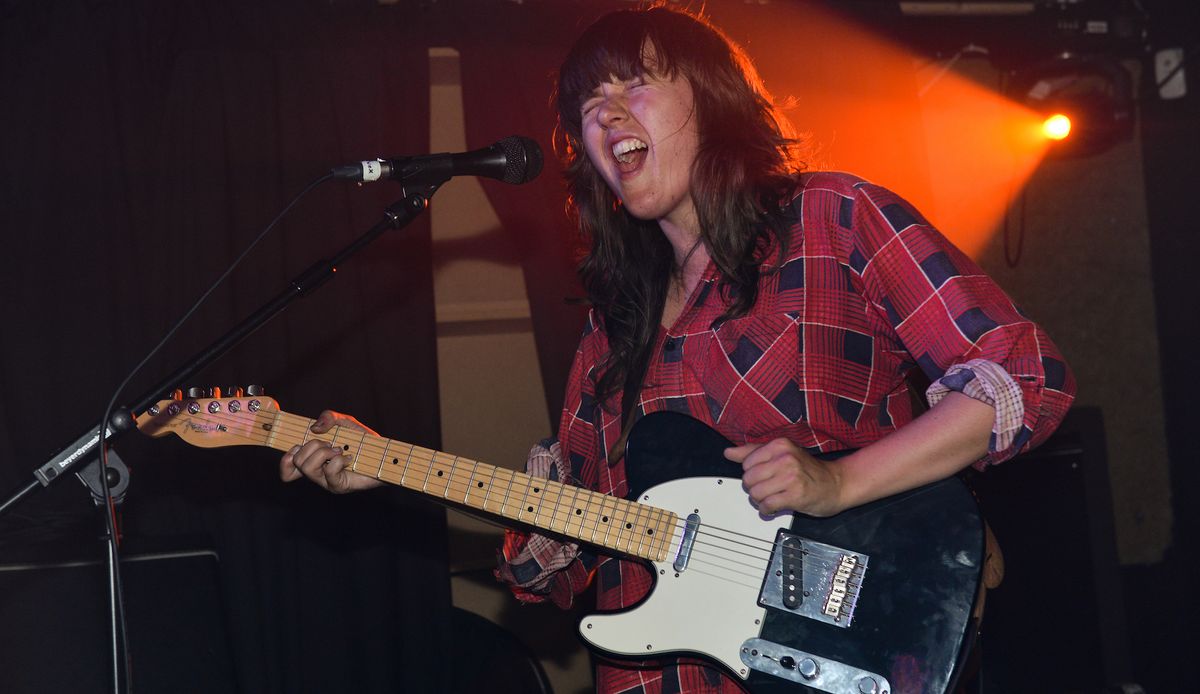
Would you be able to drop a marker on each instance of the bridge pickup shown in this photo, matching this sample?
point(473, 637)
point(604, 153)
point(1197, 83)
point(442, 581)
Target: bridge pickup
point(813, 579)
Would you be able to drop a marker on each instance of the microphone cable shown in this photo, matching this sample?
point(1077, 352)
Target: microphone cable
point(117, 607)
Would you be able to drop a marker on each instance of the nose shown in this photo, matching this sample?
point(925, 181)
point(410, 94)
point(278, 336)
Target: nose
point(611, 110)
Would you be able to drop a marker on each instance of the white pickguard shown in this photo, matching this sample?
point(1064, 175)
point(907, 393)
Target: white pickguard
point(711, 607)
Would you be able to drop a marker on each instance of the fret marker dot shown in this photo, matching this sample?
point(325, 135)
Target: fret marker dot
point(628, 526)
point(480, 485)
point(529, 509)
point(605, 519)
point(395, 461)
point(267, 427)
point(650, 531)
point(579, 512)
point(439, 473)
point(536, 490)
point(346, 447)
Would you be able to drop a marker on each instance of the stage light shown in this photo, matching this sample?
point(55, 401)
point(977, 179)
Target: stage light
point(1091, 96)
point(1056, 127)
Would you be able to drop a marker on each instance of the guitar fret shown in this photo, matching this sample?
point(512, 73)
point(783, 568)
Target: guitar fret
point(404, 470)
point(533, 498)
point(557, 499)
point(507, 491)
point(450, 477)
point(635, 529)
point(470, 481)
point(520, 478)
point(387, 443)
point(625, 527)
point(665, 524)
point(274, 429)
point(307, 431)
point(357, 453)
point(524, 497)
point(582, 512)
point(604, 517)
point(488, 489)
point(539, 491)
point(616, 522)
point(436, 479)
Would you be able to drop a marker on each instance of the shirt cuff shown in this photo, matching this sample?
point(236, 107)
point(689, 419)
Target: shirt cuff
point(530, 562)
point(537, 567)
point(987, 382)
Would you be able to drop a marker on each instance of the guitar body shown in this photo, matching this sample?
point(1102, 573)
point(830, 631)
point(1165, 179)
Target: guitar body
point(922, 552)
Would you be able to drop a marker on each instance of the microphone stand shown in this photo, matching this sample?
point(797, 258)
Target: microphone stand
point(85, 448)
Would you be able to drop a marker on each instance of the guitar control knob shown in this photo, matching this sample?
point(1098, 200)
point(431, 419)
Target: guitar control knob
point(868, 685)
point(255, 389)
point(808, 668)
point(788, 662)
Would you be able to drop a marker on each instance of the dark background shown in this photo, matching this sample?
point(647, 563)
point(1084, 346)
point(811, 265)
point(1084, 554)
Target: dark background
point(146, 143)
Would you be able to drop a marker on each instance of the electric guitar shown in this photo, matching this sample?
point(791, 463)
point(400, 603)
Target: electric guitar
point(875, 600)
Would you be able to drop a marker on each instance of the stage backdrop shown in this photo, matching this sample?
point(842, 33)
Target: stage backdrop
point(145, 145)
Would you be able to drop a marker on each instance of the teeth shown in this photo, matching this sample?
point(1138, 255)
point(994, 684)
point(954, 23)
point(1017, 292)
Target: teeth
point(622, 149)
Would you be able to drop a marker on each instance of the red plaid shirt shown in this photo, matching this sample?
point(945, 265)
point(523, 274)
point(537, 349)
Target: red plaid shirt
point(868, 292)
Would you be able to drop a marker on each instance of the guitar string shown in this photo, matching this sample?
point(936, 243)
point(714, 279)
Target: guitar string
point(292, 422)
point(428, 456)
point(718, 561)
point(292, 427)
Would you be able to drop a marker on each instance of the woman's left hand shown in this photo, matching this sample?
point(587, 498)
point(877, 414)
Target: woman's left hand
point(781, 476)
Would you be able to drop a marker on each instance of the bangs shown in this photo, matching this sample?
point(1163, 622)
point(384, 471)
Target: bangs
point(615, 46)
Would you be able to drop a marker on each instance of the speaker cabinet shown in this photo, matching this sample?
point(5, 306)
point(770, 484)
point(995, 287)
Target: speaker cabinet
point(1057, 622)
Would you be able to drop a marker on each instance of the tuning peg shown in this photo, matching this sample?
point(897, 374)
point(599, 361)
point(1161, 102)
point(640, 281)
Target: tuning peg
point(255, 389)
point(232, 392)
point(195, 392)
point(176, 394)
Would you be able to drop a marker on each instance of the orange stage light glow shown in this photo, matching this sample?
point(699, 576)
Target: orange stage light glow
point(960, 151)
point(1057, 127)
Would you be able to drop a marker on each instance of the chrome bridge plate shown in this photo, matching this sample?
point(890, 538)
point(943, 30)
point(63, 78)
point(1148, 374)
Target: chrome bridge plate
point(810, 669)
point(830, 581)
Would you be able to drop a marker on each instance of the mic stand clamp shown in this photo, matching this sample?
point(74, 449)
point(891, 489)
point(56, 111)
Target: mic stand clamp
point(117, 473)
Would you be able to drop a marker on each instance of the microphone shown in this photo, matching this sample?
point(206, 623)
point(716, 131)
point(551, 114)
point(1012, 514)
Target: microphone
point(514, 159)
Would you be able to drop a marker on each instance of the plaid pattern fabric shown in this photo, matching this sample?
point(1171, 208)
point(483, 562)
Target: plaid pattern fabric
point(868, 292)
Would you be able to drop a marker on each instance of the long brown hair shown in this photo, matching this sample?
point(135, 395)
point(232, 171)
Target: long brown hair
point(745, 164)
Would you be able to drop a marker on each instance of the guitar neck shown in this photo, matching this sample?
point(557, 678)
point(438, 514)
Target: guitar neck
point(591, 517)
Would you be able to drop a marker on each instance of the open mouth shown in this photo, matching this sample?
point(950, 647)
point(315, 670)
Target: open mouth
point(629, 153)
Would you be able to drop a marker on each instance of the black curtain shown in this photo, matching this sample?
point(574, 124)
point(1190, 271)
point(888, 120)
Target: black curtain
point(145, 144)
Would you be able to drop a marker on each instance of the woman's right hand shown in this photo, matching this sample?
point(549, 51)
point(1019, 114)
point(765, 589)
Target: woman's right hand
point(323, 462)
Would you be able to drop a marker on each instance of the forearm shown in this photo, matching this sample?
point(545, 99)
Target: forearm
point(947, 438)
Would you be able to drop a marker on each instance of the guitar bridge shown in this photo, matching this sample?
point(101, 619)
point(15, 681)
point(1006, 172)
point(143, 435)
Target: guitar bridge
point(813, 579)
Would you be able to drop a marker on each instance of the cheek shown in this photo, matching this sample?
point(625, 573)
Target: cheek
point(593, 146)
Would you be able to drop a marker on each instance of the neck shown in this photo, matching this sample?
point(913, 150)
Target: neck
point(691, 255)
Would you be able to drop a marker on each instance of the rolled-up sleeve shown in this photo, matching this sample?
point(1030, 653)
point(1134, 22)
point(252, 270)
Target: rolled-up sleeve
point(960, 327)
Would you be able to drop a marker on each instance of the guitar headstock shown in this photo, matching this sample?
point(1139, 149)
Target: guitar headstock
point(209, 422)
